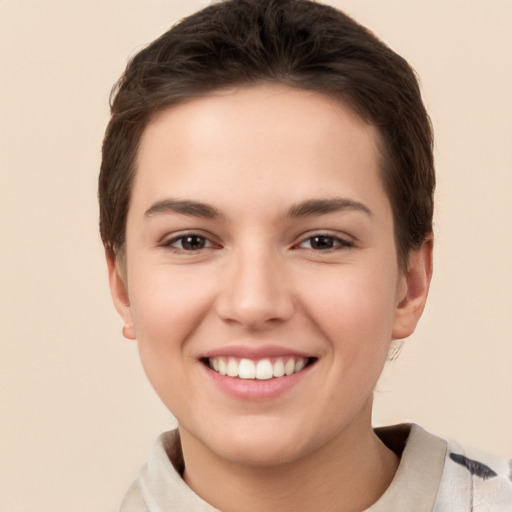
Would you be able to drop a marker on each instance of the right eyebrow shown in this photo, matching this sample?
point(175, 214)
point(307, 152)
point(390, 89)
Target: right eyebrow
point(324, 206)
point(183, 207)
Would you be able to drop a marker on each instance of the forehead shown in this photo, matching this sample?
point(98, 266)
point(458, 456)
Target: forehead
point(256, 140)
point(259, 109)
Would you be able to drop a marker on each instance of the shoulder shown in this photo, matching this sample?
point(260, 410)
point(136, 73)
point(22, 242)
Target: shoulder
point(474, 481)
point(442, 476)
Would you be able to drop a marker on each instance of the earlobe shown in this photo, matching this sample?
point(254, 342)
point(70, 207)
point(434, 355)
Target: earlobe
point(119, 292)
point(416, 283)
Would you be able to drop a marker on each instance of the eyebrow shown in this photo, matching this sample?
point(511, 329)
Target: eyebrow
point(310, 207)
point(183, 207)
point(323, 206)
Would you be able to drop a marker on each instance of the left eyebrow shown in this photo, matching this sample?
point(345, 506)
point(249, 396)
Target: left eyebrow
point(192, 208)
point(324, 206)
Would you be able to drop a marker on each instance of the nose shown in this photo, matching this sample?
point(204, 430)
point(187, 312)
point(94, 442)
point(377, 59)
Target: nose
point(256, 293)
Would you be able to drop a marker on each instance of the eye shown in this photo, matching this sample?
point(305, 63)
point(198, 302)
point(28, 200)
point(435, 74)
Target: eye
point(324, 243)
point(189, 243)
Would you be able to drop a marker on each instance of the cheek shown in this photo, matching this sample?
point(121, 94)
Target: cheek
point(166, 310)
point(355, 311)
point(363, 298)
point(167, 306)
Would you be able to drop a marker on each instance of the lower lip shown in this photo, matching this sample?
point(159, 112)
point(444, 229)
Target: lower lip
point(253, 389)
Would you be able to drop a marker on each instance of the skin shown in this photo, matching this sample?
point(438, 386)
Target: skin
point(258, 277)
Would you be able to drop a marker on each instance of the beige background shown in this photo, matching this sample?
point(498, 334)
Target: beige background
point(77, 416)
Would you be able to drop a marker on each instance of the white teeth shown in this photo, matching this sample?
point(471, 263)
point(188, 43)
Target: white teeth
point(232, 368)
point(263, 369)
point(223, 367)
point(247, 369)
point(299, 365)
point(278, 369)
point(289, 367)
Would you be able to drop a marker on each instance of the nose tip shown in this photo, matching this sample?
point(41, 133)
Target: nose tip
point(254, 313)
point(256, 295)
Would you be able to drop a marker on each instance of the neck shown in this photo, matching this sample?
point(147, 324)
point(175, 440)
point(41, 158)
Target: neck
point(347, 474)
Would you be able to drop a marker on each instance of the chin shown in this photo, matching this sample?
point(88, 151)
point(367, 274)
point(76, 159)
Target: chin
point(260, 445)
point(260, 454)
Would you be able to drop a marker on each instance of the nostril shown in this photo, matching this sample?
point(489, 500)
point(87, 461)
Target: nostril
point(257, 313)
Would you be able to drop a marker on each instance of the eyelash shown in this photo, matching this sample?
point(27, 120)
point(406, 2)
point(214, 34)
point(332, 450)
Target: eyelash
point(170, 244)
point(336, 243)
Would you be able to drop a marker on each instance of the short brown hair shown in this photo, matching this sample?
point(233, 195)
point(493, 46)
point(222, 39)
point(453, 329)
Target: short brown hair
point(299, 43)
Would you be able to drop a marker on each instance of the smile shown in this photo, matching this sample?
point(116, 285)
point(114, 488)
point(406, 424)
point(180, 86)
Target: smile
point(261, 369)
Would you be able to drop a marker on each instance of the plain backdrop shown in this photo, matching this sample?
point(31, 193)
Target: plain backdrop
point(77, 415)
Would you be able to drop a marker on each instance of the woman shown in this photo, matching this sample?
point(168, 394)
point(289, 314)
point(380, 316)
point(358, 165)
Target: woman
point(266, 199)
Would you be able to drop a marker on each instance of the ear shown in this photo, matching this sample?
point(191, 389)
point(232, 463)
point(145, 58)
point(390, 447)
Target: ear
point(413, 290)
point(119, 294)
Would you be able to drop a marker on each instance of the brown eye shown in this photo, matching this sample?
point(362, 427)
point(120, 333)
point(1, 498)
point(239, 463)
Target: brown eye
point(324, 243)
point(189, 243)
point(193, 242)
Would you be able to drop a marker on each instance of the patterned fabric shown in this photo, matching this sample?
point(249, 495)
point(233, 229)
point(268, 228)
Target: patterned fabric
point(433, 476)
point(475, 482)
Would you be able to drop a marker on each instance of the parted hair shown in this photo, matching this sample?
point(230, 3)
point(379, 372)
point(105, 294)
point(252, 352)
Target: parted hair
point(299, 43)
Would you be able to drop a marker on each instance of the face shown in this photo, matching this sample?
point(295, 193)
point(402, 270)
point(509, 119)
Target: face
point(261, 277)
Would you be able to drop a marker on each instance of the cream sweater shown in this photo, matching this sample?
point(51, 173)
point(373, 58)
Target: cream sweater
point(433, 476)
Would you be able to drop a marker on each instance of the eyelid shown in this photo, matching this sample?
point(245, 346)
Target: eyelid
point(343, 241)
point(169, 240)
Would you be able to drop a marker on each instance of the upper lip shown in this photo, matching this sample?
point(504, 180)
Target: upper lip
point(260, 351)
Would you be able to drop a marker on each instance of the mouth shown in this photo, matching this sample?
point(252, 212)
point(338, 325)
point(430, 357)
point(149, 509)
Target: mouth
point(260, 369)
